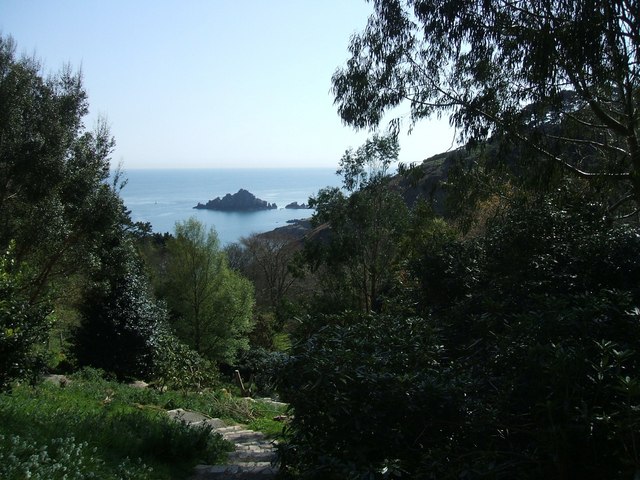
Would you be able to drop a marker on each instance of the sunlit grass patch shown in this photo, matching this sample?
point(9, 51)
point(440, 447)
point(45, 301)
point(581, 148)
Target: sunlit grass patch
point(96, 427)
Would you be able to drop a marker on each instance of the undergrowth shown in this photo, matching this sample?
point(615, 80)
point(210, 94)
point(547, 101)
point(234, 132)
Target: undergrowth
point(94, 428)
point(269, 419)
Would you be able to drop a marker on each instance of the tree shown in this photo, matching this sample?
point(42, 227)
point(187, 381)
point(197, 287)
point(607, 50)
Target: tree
point(362, 248)
point(576, 63)
point(59, 215)
point(122, 324)
point(23, 325)
point(268, 262)
point(56, 204)
point(523, 363)
point(211, 304)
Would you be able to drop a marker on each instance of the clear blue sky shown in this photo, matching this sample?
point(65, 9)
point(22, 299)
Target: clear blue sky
point(217, 83)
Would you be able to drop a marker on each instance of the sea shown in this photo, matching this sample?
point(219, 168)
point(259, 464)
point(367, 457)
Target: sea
point(163, 197)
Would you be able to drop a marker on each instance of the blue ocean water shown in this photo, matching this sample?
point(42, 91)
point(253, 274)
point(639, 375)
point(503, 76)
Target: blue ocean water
point(163, 197)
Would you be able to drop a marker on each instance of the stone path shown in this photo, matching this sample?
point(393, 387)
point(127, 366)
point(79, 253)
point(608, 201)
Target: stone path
point(252, 458)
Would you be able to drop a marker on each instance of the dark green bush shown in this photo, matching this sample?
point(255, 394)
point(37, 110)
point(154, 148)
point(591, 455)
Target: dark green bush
point(543, 318)
point(525, 365)
point(370, 393)
point(121, 323)
point(261, 368)
point(24, 325)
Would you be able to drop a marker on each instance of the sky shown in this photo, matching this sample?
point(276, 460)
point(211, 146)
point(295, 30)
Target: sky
point(210, 84)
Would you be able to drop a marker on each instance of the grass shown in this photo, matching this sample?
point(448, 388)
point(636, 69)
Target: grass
point(94, 428)
point(264, 420)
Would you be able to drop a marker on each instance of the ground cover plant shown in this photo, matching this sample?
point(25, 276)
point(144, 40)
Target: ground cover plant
point(96, 428)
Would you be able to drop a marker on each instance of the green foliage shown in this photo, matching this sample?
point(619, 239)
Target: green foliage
point(110, 431)
point(55, 202)
point(260, 368)
point(369, 163)
point(64, 458)
point(121, 323)
point(535, 304)
point(269, 419)
point(178, 367)
point(524, 364)
point(95, 385)
point(62, 220)
point(24, 325)
point(575, 64)
point(211, 305)
point(361, 250)
point(370, 394)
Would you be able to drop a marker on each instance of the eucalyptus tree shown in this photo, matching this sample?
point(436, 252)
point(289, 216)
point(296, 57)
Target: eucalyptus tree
point(363, 247)
point(576, 64)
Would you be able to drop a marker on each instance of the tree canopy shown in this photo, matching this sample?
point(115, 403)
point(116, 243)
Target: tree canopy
point(576, 63)
point(362, 248)
point(211, 304)
point(508, 355)
point(56, 204)
point(60, 217)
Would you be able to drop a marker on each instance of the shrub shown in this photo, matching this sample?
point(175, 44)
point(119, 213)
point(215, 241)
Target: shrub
point(370, 394)
point(527, 368)
point(542, 317)
point(260, 368)
point(121, 323)
point(179, 367)
point(23, 324)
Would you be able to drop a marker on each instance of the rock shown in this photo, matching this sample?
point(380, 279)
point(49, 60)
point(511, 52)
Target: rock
point(59, 380)
point(294, 230)
point(139, 384)
point(242, 201)
point(297, 206)
point(194, 418)
point(254, 455)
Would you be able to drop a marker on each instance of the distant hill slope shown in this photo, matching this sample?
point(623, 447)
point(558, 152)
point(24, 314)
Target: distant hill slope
point(425, 180)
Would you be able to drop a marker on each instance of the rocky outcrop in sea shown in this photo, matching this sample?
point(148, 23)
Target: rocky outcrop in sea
point(297, 206)
point(242, 201)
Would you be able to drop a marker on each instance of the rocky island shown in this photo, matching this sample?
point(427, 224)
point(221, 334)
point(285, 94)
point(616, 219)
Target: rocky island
point(297, 206)
point(242, 201)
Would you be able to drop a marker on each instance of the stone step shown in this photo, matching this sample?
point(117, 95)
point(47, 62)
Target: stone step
point(252, 456)
point(240, 471)
point(244, 436)
point(233, 428)
point(273, 403)
point(195, 418)
point(263, 444)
